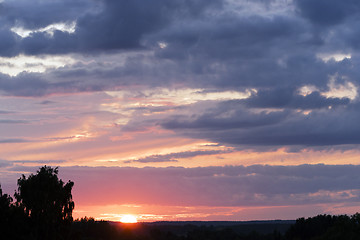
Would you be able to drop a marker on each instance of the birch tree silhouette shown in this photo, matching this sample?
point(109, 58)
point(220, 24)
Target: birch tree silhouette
point(47, 201)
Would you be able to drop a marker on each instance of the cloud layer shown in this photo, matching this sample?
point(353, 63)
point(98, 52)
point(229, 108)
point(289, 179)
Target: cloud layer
point(255, 185)
point(276, 52)
point(185, 83)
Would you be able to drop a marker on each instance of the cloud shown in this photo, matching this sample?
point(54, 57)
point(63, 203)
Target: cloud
point(325, 12)
point(23, 85)
point(172, 157)
point(38, 14)
point(5, 112)
point(287, 98)
point(255, 185)
point(231, 123)
point(222, 119)
point(47, 162)
point(46, 102)
point(152, 159)
point(100, 25)
point(8, 46)
point(254, 75)
point(5, 163)
point(11, 121)
point(13, 140)
point(205, 44)
point(215, 46)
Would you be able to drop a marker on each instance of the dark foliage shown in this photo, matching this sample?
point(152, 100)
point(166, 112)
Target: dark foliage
point(43, 208)
point(88, 229)
point(324, 227)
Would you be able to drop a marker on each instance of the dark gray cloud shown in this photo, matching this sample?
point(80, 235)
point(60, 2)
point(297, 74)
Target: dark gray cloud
point(328, 12)
point(36, 84)
point(231, 123)
point(288, 98)
point(38, 14)
point(9, 44)
point(229, 36)
point(111, 25)
point(207, 45)
point(217, 119)
point(23, 84)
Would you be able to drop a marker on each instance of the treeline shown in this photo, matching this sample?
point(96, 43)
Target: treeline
point(326, 227)
point(42, 209)
point(321, 227)
point(88, 229)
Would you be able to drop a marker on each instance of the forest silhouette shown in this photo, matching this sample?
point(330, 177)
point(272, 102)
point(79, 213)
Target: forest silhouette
point(42, 209)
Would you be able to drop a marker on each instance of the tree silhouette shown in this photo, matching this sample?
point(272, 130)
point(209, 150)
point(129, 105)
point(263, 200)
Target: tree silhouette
point(47, 201)
point(13, 222)
point(5, 201)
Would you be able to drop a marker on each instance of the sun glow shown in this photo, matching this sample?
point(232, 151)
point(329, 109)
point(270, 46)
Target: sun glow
point(128, 219)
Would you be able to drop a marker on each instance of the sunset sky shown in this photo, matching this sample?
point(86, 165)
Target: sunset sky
point(185, 109)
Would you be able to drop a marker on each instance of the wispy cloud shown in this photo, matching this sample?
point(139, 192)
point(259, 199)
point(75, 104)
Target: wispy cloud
point(13, 140)
point(11, 121)
point(174, 156)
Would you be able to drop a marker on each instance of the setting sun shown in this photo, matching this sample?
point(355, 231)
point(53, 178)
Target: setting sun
point(128, 219)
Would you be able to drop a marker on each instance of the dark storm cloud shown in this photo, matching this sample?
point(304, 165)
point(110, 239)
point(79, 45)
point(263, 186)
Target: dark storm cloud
point(222, 50)
point(24, 84)
point(229, 53)
point(328, 12)
point(231, 123)
point(123, 23)
point(8, 43)
point(334, 21)
point(36, 84)
point(235, 51)
point(38, 14)
point(183, 24)
point(114, 25)
point(207, 45)
point(234, 36)
point(222, 119)
point(255, 185)
point(288, 98)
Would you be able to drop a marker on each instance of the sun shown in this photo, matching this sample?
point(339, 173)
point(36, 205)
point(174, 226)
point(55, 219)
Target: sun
point(128, 219)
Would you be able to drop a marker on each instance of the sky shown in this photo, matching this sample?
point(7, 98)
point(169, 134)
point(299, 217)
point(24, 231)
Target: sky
point(185, 109)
